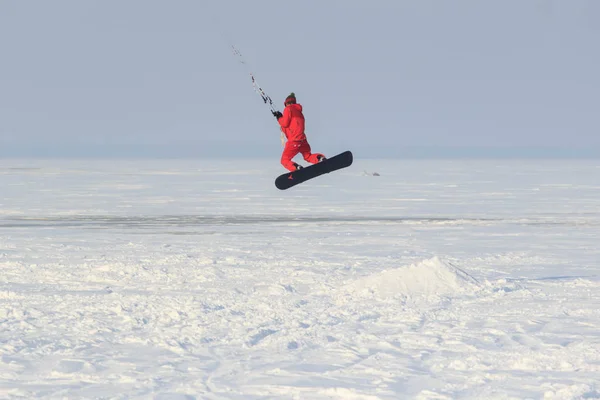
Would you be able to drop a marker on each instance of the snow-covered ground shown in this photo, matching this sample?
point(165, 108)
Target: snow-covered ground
point(200, 280)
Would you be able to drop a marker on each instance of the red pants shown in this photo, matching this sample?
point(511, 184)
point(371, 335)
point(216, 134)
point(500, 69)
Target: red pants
point(292, 148)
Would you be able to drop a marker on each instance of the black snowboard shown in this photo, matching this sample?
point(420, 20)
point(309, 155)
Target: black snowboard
point(334, 163)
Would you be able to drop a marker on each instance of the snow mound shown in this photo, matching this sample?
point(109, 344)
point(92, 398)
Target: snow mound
point(428, 278)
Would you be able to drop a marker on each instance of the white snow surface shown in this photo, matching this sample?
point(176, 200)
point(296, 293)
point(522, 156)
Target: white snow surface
point(198, 279)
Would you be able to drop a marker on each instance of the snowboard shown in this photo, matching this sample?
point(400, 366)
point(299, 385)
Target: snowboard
point(294, 178)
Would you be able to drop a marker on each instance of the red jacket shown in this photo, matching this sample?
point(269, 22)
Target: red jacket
point(292, 123)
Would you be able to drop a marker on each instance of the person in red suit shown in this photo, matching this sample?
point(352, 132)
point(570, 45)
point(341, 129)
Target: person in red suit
point(292, 125)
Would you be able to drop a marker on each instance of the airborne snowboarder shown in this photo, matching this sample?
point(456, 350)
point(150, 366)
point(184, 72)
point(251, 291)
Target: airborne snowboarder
point(292, 125)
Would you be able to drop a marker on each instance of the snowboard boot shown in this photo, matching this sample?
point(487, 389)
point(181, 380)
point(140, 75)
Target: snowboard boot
point(298, 166)
point(321, 158)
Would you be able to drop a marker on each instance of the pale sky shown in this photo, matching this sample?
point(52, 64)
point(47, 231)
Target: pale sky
point(382, 78)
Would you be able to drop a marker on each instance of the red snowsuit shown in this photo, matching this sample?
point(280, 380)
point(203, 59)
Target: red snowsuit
point(292, 125)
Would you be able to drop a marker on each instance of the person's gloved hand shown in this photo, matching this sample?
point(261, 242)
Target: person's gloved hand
point(277, 114)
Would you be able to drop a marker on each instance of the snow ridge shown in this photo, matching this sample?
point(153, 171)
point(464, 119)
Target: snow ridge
point(430, 278)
